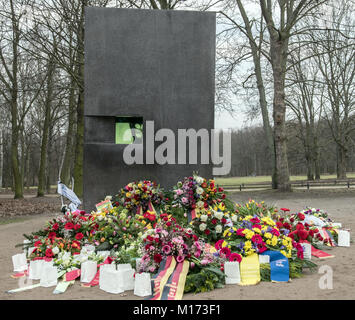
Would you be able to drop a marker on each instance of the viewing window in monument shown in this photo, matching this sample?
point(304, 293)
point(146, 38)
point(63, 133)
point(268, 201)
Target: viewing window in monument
point(129, 130)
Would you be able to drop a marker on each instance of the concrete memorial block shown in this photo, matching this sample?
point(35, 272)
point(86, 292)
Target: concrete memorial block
point(146, 70)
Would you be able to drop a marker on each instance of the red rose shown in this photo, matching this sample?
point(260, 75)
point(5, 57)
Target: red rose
point(205, 205)
point(168, 224)
point(52, 235)
point(292, 220)
point(279, 224)
point(214, 221)
point(300, 226)
point(301, 216)
point(311, 233)
point(207, 232)
point(69, 226)
point(150, 238)
point(220, 189)
point(303, 234)
point(49, 253)
point(158, 258)
point(147, 246)
point(55, 226)
point(195, 237)
point(285, 209)
point(77, 226)
point(38, 243)
point(223, 196)
point(224, 221)
point(79, 236)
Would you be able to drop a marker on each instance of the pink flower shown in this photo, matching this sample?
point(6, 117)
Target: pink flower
point(226, 251)
point(197, 253)
point(218, 244)
point(166, 249)
point(180, 259)
point(235, 257)
point(239, 232)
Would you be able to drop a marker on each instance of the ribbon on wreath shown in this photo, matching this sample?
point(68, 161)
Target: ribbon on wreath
point(318, 253)
point(159, 280)
point(191, 215)
point(279, 266)
point(174, 287)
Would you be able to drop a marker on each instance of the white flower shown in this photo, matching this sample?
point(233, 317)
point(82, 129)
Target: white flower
point(235, 218)
point(109, 220)
point(199, 179)
point(55, 250)
point(203, 226)
point(218, 228)
point(218, 215)
point(199, 190)
point(108, 198)
point(200, 204)
point(100, 217)
point(203, 217)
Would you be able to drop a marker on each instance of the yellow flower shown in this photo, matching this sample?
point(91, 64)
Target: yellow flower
point(284, 253)
point(268, 235)
point(257, 230)
point(268, 242)
point(224, 244)
point(274, 241)
point(128, 194)
point(247, 245)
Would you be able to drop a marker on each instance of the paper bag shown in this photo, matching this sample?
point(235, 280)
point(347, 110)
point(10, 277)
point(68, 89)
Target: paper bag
point(25, 250)
point(35, 270)
point(104, 254)
point(142, 285)
point(111, 280)
point(138, 264)
point(49, 276)
point(307, 251)
point(19, 262)
point(232, 272)
point(124, 266)
point(128, 279)
point(88, 271)
point(263, 258)
point(343, 238)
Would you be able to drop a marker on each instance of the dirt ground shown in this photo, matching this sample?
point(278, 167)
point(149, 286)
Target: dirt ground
point(340, 204)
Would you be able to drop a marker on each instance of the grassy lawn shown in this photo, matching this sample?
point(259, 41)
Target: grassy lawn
point(246, 180)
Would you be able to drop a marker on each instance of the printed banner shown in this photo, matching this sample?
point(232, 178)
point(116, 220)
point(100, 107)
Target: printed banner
point(250, 270)
point(159, 280)
point(174, 288)
point(104, 205)
point(279, 266)
point(320, 254)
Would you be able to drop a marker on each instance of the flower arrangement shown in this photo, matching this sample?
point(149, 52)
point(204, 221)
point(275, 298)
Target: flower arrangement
point(169, 239)
point(252, 208)
point(211, 222)
point(256, 235)
point(138, 194)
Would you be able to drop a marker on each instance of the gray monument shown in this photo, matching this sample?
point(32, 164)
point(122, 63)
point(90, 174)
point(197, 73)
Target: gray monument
point(144, 65)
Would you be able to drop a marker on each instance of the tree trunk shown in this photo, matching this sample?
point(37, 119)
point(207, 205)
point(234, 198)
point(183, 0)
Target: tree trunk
point(45, 132)
point(65, 174)
point(341, 162)
point(278, 57)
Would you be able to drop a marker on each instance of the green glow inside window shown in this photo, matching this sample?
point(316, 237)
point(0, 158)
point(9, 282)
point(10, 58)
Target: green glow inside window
point(129, 130)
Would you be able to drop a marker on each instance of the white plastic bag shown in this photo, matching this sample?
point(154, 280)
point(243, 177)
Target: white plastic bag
point(111, 280)
point(307, 251)
point(343, 238)
point(111, 266)
point(88, 271)
point(264, 258)
point(142, 284)
point(232, 272)
point(49, 276)
point(20, 262)
point(35, 270)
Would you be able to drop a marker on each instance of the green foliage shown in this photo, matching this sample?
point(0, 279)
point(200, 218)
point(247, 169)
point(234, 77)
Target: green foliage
point(204, 279)
point(265, 272)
